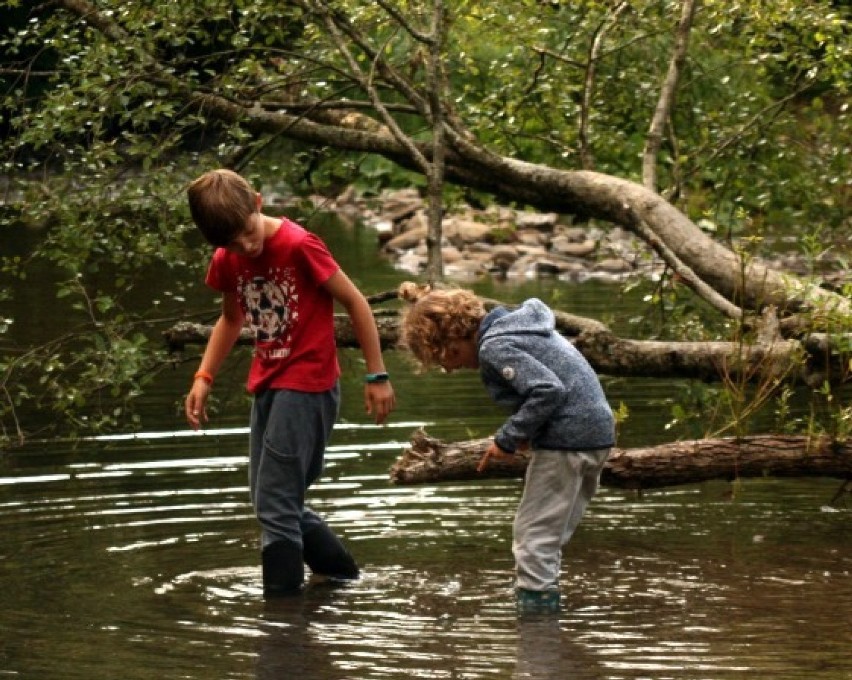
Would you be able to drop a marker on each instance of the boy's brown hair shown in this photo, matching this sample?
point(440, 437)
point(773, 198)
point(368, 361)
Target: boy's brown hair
point(221, 202)
point(435, 318)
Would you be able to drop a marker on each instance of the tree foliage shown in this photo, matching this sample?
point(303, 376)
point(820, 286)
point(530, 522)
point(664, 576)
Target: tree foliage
point(109, 106)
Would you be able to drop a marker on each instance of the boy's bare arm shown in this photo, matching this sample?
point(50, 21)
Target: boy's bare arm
point(225, 333)
point(379, 398)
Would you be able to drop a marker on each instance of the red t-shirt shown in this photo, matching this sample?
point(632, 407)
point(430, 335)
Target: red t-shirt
point(285, 305)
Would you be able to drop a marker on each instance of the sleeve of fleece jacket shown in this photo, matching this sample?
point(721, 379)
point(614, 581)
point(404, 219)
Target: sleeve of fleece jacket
point(539, 391)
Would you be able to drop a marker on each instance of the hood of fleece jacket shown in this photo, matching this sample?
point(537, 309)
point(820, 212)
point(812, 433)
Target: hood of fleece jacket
point(533, 317)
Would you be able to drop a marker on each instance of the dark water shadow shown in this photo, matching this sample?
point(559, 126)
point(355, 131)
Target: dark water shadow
point(289, 647)
point(548, 650)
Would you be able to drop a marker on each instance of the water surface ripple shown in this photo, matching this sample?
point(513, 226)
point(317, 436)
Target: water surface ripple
point(139, 560)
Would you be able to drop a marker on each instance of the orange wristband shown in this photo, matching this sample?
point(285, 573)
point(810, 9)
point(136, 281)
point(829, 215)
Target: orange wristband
point(206, 376)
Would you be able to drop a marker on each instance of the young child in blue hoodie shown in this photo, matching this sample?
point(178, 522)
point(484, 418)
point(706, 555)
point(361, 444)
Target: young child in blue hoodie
point(557, 407)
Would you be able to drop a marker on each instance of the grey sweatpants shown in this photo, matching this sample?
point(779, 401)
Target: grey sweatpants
point(557, 490)
point(289, 433)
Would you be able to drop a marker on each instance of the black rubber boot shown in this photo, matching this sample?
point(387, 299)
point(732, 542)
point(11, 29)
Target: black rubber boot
point(325, 554)
point(283, 571)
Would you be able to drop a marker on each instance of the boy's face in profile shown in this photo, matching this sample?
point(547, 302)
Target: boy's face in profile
point(249, 242)
point(460, 354)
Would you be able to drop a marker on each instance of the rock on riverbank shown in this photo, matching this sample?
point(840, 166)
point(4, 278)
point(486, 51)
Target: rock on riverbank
point(500, 241)
point(517, 244)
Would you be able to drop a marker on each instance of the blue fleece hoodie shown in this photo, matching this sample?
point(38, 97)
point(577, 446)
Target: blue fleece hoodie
point(553, 393)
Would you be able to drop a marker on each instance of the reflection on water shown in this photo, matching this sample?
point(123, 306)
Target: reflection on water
point(147, 548)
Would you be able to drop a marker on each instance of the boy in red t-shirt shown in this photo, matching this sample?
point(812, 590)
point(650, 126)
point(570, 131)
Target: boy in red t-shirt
point(281, 281)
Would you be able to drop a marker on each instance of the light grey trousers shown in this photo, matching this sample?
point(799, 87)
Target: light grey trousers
point(557, 490)
point(289, 432)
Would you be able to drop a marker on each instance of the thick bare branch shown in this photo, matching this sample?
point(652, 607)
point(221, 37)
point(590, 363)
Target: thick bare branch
point(770, 363)
point(428, 460)
point(667, 96)
point(586, 157)
point(435, 174)
point(689, 277)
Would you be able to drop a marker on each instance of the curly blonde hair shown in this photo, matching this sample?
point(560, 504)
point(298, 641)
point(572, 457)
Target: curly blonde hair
point(435, 318)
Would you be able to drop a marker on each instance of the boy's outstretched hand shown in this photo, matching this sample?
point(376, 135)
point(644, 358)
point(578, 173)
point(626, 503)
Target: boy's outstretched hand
point(493, 451)
point(379, 400)
point(195, 406)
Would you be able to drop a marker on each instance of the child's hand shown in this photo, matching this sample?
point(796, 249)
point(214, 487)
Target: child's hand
point(379, 400)
point(495, 452)
point(195, 406)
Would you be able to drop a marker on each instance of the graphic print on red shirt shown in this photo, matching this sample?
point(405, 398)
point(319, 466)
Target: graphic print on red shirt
point(271, 310)
point(286, 307)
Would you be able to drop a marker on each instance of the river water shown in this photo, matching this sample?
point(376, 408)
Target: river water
point(135, 556)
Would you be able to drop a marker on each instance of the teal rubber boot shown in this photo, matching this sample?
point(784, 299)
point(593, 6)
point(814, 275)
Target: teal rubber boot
point(537, 601)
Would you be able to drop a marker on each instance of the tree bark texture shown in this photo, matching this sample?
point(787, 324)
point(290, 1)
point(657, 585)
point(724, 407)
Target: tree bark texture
point(429, 460)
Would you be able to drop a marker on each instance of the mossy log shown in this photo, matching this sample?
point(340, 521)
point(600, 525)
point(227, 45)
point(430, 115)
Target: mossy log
point(429, 460)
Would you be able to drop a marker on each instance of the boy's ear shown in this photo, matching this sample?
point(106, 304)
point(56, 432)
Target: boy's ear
point(259, 201)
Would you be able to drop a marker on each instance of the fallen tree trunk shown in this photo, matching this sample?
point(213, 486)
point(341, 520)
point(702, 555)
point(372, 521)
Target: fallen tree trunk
point(810, 361)
point(186, 333)
point(429, 460)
